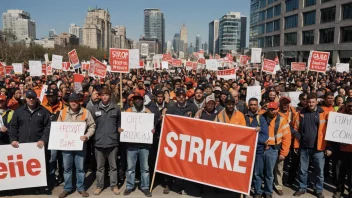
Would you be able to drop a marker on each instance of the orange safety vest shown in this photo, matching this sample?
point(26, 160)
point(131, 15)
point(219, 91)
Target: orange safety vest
point(237, 118)
point(280, 134)
point(64, 113)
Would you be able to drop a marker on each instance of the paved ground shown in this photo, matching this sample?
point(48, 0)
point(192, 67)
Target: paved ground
point(158, 192)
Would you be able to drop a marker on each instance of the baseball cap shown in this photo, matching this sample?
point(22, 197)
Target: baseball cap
point(180, 91)
point(2, 97)
point(273, 105)
point(217, 89)
point(73, 97)
point(285, 97)
point(52, 92)
point(230, 98)
point(31, 94)
point(137, 95)
point(209, 98)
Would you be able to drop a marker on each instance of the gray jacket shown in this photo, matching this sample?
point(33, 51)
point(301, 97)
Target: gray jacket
point(107, 121)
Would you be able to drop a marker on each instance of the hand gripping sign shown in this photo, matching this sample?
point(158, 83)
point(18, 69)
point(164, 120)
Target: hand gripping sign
point(216, 154)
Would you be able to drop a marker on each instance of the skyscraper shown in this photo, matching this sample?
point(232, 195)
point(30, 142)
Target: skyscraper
point(205, 47)
point(253, 24)
point(77, 31)
point(52, 33)
point(230, 33)
point(154, 26)
point(97, 29)
point(19, 23)
point(184, 37)
point(198, 42)
point(168, 47)
point(214, 37)
point(243, 32)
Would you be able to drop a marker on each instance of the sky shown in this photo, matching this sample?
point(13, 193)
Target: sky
point(196, 14)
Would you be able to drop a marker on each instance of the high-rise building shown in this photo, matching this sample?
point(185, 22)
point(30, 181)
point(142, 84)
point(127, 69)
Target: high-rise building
point(198, 42)
point(290, 29)
point(65, 39)
point(169, 47)
point(230, 33)
point(118, 37)
point(77, 31)
point(243, 33)
point(191, 49)
point(184, 37)
point(97, 29)
point(178, 44)
point(52, 33)
point(214, 37)
point(205, 47)
point(253, 23)
point(19, 23)
point(154, 26)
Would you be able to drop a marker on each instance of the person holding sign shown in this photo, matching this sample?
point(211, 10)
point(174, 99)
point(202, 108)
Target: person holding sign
point(135, 150)
point(76, 113)
point(309, 132)
point(107, 116)
point(5, 119)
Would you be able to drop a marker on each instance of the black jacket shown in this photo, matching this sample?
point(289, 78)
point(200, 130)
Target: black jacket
point(107, 121)
point(183, 111)
point(28, 127)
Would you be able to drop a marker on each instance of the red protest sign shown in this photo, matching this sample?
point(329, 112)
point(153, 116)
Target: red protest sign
point(176, 62)
point(78, 78)
point(97, 68)
point(226, 74)
point(72, 55)
point(201, 61)
point(244, 60)
point(85, 66)
point(318, 61)
point(66, 66)
point(8, 69)
point(44, 69)
point(194, 65)
point(49, 70)
point(167, 57)
point(141, 63)
point(268, 66)
point(298, 66)
point(189, 64)
point(119, 60)
point(195, 155)
point(2, 70)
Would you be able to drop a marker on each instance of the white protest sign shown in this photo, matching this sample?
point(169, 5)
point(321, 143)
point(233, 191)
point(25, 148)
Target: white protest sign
point(137, 127)
point(294, 96)
point(144, 49)
point(342, 67)
point(35, 68)
point(254, 92)
point(212, 64)
point(42, 93)
point(65, 136)
point(17, 68)
point(78, 87)
point(256, 56)
point(46, 57)
point(148, 66)
point(134, 59)
point(164, 65)
point(339, 128)
point(22, 167)
point(56, 62)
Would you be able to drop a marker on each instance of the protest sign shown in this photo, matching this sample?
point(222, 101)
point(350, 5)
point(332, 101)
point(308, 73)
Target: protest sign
point(35, 68)
point(43, 69)
point(22, 167)
point(269, 66)
point(119, 60)
point(256, 56)
point(134, 59)
point(157, 58)
point(194, 65)
point(97, 68)
point(56, 62)
point(2, 70)
point(342, 67)
point(212, 65)
point(42, 93)
point(202, 61)
point(226, 74)
point(254, 92)
point(66, 66)
point(141, 63)
point(49, 70)
point(46, 58)
point(8, 69)
point(294, 96)
point(65, 136)
point(318, 61)
point(164, 65)
point(137, 127)
point(243, 60)
point(78, 79)
point(339, 128)
point(72, 55)
point(17, 68)
point(144, 49)
point(195, 155)
point(176, 63)
point(298, 66)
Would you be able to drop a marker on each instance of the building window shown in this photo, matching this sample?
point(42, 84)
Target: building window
point(309, 18)
point(291, 38)
point(270, 13)
point(291, 5)
point(271, 1)
point(260, 42)
point(328, 14)
point(277, 10)
point(277, 25)
point(308, 37)
point(268, 41)
point(346, 34)
point(347, 11)
point(276, 40)
point(262, 3)
point(291, 21)
point(262, 16)
point(269, 27)
point(323, 1)
point(261, 29)
point(327, 35)
point(309, 3)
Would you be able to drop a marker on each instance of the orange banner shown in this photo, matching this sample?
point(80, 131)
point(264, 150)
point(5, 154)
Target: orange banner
point(216, 154)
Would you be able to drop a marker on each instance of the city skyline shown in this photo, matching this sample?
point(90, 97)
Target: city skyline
point(129, 14)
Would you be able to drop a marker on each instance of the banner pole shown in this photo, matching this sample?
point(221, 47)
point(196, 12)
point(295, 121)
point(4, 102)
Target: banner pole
point(152, 184)
point(316, 81)
point(121, 103)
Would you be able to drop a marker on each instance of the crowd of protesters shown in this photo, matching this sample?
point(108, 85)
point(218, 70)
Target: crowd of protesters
point(289, 136)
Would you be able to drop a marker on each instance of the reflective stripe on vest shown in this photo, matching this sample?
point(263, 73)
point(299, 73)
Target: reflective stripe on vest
point(64, 113)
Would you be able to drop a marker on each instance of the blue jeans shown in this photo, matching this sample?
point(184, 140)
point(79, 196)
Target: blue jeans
point(270, 158)
point(258, 174)
point(76, 158)
point(318, 160)
point(132, 154)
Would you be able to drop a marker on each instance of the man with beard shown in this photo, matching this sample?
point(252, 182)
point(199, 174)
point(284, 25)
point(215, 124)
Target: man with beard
point(135, 150)
point(209, 111)
point(345, 162)
point(230, 114)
